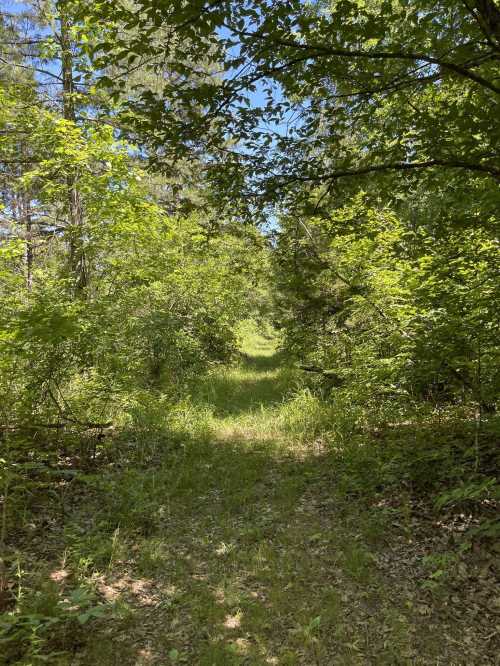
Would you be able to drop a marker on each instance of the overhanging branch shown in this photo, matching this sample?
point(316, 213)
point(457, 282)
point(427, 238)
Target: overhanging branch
point(488, 169)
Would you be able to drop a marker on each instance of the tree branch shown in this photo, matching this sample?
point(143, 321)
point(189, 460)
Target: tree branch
point(321, 50)
point(400, 166)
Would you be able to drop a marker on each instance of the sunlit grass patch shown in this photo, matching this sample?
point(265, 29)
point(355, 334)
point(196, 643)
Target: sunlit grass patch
point(257, 338)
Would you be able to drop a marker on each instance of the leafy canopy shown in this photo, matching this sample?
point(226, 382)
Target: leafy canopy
point(308, 93)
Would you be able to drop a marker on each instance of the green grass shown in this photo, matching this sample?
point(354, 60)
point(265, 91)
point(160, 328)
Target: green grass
point(237, 545)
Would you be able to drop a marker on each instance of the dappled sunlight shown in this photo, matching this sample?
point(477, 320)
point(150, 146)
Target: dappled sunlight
point(242, 646)
point(224, 549)
point(239, 546)
point(146, 656)
point(232, 621)
point(249, 363)
point(140, 591)
point(59, 576)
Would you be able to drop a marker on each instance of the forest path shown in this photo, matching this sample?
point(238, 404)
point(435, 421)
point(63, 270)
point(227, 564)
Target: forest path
point(253, 557)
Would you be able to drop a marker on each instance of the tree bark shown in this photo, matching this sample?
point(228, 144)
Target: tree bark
point(78, 260)
point(489, 19)
point(28, 222)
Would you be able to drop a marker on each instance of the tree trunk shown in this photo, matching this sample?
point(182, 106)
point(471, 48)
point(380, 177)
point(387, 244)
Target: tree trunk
point(487, 14)
point(29, 240)
point(78, 261)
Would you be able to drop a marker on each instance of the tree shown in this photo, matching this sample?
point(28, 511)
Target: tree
point(310, 94)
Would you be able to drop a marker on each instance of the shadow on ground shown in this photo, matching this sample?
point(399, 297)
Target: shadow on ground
point(234, 551)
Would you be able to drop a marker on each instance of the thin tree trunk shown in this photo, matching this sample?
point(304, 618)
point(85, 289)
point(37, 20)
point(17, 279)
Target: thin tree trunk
point(29, 240)
point(78, 260)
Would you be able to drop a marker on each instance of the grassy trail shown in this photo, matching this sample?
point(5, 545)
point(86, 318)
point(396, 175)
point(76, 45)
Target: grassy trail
point(252, 557)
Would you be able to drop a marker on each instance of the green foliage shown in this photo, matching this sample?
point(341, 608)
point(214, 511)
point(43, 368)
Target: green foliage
point(392, 310)
point(364, 89)
point(101, 373)
point(147, 406)
point(162, 304)
point(46, 624)
point(397, 326)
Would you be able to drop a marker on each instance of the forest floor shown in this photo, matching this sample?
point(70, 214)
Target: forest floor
point(256, 559)
point(237, 548)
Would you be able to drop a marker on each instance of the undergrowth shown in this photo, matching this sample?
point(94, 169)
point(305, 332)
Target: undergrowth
point(253, 522)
